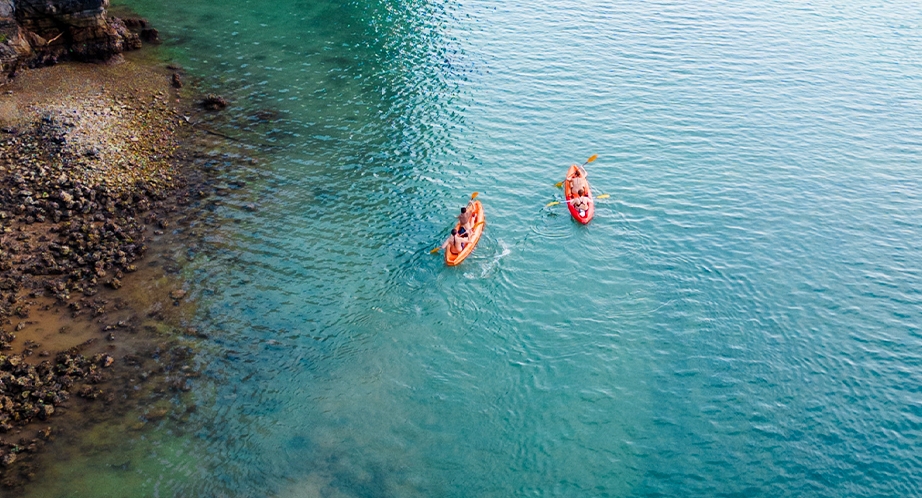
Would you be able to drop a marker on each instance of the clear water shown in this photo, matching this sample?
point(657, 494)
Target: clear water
point(742, 317)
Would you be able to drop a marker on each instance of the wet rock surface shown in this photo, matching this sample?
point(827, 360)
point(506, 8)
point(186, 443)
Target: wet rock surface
point(90, 387)
point(68, 226)
point(37, 33)
point(104, 195)
point(214, 102)
point(88, 180)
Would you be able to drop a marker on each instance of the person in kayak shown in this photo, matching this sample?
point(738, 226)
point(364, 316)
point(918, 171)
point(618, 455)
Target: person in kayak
point(578, 181)
point(456, 242)
point(581, 202)
point(466, 218)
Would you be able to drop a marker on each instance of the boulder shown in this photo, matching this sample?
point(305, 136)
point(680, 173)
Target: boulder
point(36, 32)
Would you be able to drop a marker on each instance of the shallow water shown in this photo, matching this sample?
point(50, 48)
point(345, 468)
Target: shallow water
point(741, 318)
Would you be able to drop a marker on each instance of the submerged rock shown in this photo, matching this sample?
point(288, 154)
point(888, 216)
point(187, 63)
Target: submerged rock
point(214, 102)
point(156, 414)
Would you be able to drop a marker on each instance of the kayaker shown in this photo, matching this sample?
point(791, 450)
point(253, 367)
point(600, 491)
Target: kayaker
point(581, 202)
point(466, 217)
point(456, 242)
point(578, 181)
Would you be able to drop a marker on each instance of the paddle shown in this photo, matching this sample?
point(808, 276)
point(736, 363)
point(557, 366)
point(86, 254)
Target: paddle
point(549, 204)
point(473, 196)
point(593, 158)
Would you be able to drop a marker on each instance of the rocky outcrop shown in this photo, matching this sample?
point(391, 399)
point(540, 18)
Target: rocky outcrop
point(41, 32)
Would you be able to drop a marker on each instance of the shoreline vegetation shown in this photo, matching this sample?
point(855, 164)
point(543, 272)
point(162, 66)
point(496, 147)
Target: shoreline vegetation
point(101, 174)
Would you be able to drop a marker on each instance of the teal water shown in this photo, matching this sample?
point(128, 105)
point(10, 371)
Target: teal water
point(742, 317)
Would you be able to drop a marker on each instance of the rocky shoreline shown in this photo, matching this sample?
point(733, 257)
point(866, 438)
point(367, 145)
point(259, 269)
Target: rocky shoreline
point(36, 33)
point(97, 162)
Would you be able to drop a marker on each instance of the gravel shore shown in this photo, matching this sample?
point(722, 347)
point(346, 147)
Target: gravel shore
point(94, 161)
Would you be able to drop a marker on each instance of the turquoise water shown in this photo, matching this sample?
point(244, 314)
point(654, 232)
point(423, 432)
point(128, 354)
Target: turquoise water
point(742, 317)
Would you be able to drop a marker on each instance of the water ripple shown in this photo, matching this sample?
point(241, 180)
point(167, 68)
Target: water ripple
point(741, 317)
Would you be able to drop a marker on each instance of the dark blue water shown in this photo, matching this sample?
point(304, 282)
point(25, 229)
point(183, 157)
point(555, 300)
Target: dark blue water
point(742, 317)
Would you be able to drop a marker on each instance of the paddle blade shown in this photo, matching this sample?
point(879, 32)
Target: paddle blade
point(593, 158)
point(434, 250)
point(604, 196)
point(558, 184)
point(474, 195)
point(549, 204)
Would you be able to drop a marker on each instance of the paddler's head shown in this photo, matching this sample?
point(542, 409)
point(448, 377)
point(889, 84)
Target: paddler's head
point(582, 192)
point(454, 231)
point(464, 210)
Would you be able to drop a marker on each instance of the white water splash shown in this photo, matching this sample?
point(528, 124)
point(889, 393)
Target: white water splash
point(505, 250)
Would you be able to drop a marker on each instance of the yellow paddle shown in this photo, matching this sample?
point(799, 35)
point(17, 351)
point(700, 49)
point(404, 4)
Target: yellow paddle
point(549, 204)
point(473, 196)
point(592, 158)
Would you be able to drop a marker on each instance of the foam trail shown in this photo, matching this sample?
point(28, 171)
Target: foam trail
point(505, 250)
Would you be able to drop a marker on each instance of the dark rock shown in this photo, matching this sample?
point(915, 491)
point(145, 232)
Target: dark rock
point(156, 414)
point(135, 23)
point(150, 35)
point(45, 434)
point(49, 30)
point(214, 102)
point(45, 411)
point(87, 392)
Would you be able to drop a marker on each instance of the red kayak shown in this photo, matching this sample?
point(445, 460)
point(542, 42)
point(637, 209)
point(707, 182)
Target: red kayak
point(586, 216)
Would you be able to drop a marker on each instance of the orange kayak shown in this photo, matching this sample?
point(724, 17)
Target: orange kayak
point(586, 217)
point(479, 221)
